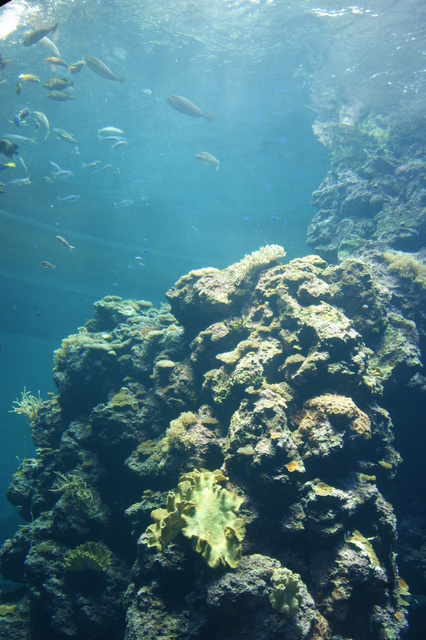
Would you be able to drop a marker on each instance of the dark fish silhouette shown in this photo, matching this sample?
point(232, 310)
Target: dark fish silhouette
point(8, 148)
point(188, 108)
point(35, 36)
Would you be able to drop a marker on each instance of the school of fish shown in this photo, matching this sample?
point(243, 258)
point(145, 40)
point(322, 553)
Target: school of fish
point(59, 88)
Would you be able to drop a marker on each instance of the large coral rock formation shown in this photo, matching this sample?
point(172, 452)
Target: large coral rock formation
point(277, 377)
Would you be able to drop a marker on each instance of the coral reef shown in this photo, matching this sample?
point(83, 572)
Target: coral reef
point(275, 379)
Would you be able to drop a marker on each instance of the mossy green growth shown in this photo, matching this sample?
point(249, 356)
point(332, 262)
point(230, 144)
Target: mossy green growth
point(407, 267)
point(124, 399)
point(286, 596)
point(90, 556)
point(206, 513)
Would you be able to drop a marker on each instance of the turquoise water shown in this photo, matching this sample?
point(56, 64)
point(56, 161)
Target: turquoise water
point(180, 214)
point(148, 211)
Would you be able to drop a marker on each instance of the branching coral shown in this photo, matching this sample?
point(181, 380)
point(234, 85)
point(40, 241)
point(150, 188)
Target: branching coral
point(76, 486)
point(254, 262)
point(28, 406)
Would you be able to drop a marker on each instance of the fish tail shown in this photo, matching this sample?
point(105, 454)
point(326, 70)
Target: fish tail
point(71, 247)
point(210, 117)
point(217, 167)
point(122, 79)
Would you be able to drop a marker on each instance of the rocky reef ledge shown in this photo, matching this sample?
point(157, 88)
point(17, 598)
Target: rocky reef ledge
point(219, 467)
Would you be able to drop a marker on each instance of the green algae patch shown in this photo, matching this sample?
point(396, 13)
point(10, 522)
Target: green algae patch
point(206, 513)
point(124, 399)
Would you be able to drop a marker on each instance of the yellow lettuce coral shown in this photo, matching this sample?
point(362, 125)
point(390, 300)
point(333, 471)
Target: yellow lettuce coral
point(206, 513)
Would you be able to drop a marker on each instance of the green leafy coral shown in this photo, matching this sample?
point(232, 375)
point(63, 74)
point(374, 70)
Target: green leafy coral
point(206, 513)
point(286, 596)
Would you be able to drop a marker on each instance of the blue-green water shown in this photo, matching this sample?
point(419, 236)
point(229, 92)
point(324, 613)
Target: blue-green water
point(149, 212)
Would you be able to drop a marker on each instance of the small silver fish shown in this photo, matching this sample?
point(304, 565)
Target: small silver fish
point(42, 121)
point(73, 197)
point(207, 158)
point(64, 243)
point(47, 265)
point(63, 174)
point(120, 143)
point(64, 135)
point(124, 203)
point(108, 130)
point(90, 165)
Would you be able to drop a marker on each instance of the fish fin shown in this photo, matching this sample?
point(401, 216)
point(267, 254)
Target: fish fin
point(210, 117)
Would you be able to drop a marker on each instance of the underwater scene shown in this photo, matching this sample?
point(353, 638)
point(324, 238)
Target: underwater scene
point(212, 320)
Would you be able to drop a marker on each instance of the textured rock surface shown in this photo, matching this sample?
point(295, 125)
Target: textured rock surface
point(284, 386)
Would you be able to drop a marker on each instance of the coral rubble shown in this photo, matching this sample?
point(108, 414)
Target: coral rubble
point(260, 394)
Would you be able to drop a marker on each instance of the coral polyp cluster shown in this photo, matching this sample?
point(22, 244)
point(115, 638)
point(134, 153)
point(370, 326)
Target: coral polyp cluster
point(28, 406)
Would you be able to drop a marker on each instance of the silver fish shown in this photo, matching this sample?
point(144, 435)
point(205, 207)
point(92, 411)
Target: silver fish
point(73, 197)
point(188, 108)
point(207, 158)
point(98, 67)
point(120, 143)
point(64, 135)
point(63, 174)
point(42, 121)
point(16, 138)
point(108, 130)
point(64, 242)
point(51, 46)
